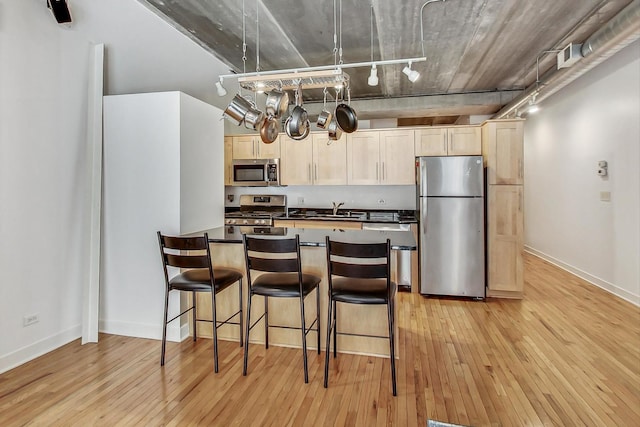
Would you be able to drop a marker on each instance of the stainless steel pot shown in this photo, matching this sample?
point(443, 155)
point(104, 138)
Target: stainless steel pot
point(253, 119)
point(298, 122)
point(335, 133)
point(237, 109)
point(325, 116)
point(277, 103)
point(270, 129)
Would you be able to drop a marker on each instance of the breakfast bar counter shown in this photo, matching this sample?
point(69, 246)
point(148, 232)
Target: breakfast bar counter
point(227, 251)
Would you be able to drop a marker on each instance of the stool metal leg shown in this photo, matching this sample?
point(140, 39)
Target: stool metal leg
point(335, 329)
point(164, 326)
point(194, 314)
point(318, 316)
point(304, 339)
point(240, 308)
point(328, 345)
point(391, 318)
point(246, 336)
point(215, 330)
point(266, 322)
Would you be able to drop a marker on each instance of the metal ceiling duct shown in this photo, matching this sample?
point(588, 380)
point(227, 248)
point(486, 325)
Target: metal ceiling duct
point(622, 30)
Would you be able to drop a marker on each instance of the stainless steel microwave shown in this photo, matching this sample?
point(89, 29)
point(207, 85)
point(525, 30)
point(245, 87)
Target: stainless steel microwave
point(256, 172)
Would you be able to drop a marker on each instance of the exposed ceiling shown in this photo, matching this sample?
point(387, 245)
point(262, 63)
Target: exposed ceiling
point(480, 54)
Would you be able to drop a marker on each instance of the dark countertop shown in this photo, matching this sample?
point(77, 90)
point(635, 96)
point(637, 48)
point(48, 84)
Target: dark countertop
point(400, 240)
point(356, 215)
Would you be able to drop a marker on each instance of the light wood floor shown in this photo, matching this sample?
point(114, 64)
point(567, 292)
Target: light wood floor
point(568, 354)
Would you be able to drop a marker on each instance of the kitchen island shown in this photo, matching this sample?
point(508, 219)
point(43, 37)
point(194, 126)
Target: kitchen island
point(227, 250)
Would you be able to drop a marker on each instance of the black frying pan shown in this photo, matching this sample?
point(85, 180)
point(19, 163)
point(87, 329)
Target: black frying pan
point(346, 116)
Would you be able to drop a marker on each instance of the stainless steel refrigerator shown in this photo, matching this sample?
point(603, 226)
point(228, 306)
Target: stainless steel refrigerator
point(451, 211)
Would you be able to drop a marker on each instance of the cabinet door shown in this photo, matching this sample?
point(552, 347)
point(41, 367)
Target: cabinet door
point(296, 161)
point(267, 151)
point(397, 157)
point(329, 160)
point(244, 147)
point(363, 158)
point(431, 142)
point(503, 149)
point(228, 158)
point(464, 141)
point(505, 239)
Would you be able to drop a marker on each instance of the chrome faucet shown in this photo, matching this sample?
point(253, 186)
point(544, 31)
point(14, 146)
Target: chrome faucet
point(336, 206)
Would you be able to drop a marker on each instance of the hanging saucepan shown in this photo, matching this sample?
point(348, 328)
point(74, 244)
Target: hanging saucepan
point(277, 103)
point(270, 129)
point(325, 116)
point(335, 133)
point(298, 122)
point(346, 116)
point(253, 119)
point(237, 109)
point(305, 132)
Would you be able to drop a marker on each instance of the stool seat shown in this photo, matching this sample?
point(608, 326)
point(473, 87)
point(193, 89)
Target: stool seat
point(200, 281)
point(284, 284)
point(361, 291)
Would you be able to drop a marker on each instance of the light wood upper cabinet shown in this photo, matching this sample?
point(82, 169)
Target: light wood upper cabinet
point(313, 161)
point(505, 240)
point(448, 141)
point(397, 157)
point(296, 161)
point(252, 147)
point(381, 157)
point(329, 160)
point(228, 157)
point(363, 158)
point(503, 150)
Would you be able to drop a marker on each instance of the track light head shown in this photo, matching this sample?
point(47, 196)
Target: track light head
point(412, 75)
point(221, 90)
point(373, 77)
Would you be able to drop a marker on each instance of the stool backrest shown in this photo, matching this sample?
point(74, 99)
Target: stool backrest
point(358, 260)
point(272, 255)
point(173, 250)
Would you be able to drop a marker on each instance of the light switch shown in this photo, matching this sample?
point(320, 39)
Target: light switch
point(605, 196)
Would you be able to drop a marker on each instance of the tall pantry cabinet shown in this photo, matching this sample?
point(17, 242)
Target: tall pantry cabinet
point(502, 148)
point(163, 171)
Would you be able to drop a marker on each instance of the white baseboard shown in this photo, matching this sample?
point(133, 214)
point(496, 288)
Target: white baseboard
point(37, 349)
point(142, 330)
point(609, 287)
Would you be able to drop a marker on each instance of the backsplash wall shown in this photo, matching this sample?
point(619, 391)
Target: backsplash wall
point(393, 197)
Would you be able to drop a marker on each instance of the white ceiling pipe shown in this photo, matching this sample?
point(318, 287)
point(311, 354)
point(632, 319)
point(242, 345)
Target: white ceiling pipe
point(616, 34)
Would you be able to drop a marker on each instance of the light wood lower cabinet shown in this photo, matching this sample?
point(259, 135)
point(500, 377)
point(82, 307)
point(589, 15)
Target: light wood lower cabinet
point(505, 241)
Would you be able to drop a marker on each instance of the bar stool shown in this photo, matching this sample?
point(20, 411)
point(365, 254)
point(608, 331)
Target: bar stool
point(359, 273)
point(279, 274)
point(199, 276)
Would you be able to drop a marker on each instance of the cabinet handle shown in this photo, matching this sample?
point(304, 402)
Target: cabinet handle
point(520, 171)
point(377, 175)
point(383, 171)
point(315, 171)
point(520, 203)
point(445, 143)
point(309, 172)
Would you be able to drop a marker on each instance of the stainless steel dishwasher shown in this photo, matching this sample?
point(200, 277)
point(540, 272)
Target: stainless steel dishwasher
point(403, 270)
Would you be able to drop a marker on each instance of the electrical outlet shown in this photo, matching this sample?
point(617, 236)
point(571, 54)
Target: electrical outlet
point(301, 200)
point(30, 319)
point(381, 201)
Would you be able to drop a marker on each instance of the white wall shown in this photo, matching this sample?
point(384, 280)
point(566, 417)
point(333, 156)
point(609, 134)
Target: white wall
point(43, 158)
point(162, 172)
point(595, 118)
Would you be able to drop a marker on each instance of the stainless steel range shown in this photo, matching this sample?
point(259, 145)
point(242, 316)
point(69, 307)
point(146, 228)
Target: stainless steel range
point(257, 210)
